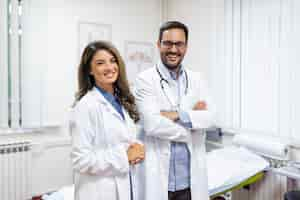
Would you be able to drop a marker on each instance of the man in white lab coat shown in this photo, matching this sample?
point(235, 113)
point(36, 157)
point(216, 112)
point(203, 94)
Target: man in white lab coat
point(175, 111)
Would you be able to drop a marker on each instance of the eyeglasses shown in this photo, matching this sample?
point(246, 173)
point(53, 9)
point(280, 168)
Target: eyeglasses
point(169, 44)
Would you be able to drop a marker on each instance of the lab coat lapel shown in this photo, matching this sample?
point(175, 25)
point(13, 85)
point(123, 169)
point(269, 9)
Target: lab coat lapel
point(130, 124)
point(169, 94)
point(189, 99)
point(165, 86)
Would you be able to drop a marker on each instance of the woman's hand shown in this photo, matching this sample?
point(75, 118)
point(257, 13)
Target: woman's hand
point(135, 153)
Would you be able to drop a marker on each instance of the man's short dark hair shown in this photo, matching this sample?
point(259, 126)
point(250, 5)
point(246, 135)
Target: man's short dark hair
point(171, 25)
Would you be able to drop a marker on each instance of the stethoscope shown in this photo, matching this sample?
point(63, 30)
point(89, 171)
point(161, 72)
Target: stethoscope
point(163, 80)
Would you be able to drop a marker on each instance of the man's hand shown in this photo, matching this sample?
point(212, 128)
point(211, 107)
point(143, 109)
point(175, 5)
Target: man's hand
point(200, 105)
point(171, 115)
point(135, 153)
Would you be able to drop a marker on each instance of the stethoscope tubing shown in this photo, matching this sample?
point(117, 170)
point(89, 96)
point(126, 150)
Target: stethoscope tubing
point(162, 79)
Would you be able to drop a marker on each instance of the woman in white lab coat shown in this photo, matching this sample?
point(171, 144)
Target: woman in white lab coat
point(104, 149)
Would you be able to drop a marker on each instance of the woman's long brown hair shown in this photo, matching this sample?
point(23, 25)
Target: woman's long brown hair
point(86, 81)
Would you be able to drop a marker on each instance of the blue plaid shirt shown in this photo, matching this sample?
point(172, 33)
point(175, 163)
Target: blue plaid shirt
point(179, 170)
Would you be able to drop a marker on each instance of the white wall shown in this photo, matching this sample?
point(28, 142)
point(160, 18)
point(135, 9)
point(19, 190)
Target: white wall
point(198, 15)
point(50, 57)
point(132, 20)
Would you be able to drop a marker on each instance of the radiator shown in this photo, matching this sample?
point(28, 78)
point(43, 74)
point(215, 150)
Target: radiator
point(271, 187)
point(15, 171)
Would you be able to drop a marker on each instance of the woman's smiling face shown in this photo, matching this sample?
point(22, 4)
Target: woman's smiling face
point(104, 69)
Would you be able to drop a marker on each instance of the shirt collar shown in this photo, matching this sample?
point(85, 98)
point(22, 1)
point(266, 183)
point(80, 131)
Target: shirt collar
point(108, 96)
point(169, 74)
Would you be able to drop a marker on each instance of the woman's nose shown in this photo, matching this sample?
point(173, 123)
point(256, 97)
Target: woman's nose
point(109, 65)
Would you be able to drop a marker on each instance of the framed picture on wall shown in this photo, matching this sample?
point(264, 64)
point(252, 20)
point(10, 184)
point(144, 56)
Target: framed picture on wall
point(91, 31)
point(138, 56)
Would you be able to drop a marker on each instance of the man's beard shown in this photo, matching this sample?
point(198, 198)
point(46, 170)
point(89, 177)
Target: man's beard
point(169, 65)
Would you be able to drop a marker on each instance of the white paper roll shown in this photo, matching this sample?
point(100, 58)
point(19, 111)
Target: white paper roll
point(263, 145)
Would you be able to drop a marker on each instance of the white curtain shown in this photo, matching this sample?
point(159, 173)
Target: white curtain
point(257, 51)
point(14, 65)
point(3, 64)
point(34, 61)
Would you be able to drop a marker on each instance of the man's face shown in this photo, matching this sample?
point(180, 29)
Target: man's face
point(172, 47)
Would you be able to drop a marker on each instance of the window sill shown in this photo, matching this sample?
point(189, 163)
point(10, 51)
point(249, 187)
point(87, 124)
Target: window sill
point(16, 131)
point(48, 136)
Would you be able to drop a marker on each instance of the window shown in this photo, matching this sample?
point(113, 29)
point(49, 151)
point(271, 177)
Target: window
point(4, 110)
point(19, 86)
point(258, 57)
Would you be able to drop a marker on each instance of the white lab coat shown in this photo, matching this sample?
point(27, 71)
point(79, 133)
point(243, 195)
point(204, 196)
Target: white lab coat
point(160, 131)
point(99, 154)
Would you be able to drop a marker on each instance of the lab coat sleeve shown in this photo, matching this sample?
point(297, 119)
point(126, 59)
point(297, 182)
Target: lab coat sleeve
point(203, 119)
point(108, 160)
point(154, 124)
